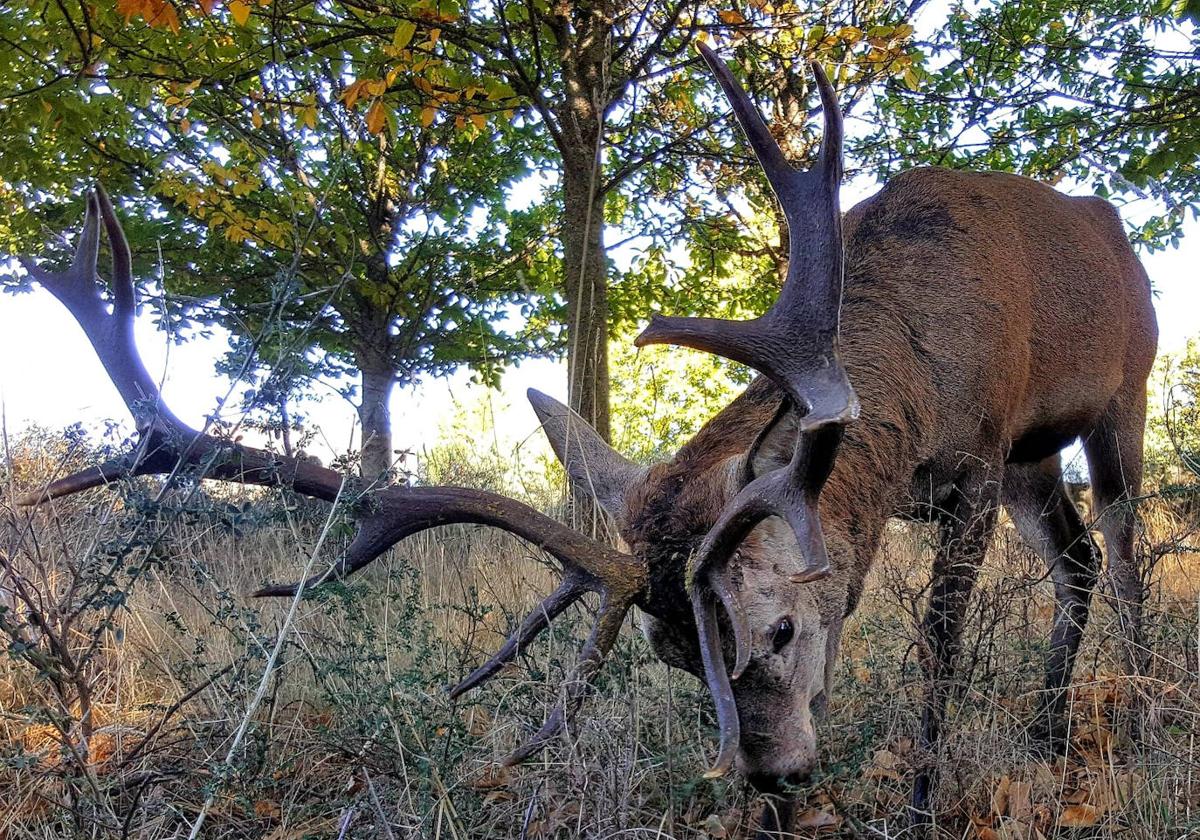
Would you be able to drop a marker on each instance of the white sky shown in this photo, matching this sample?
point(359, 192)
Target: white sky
point(51, 377)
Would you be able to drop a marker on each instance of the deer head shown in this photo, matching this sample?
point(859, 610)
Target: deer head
point(756, 569)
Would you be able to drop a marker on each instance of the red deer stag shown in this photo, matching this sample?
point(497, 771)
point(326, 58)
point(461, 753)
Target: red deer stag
point(985, 321)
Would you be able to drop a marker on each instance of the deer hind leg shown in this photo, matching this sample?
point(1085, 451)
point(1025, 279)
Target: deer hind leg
point(1114, 453)
point(1048, 521)
point(965, 528)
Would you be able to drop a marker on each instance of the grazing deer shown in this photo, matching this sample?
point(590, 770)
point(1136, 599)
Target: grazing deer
point(985, 321)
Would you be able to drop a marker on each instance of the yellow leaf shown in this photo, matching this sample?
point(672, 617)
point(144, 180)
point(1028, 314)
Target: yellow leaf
point(731, 17)
point(850, 34)
point(434, 34)
point(405, 30)
point(351, 93)
point(256, 118)
point(239, 11)
point(185, 125)
point(160, 14)
point(479, 120)
point(904, 30)
point(376, 117)
point(428, 114)
point(310, 117)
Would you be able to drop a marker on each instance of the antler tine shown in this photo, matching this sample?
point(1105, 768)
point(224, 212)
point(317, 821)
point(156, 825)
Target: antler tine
point(75, 287)
point(795, 341)
point(779, 172)
point(831, 139)
point(567, 593)
point(384, 516)
point(393, 513)
point(124, 296)
point(742, 639)
point(591, 656)
point(110, 333)
point(711, 654)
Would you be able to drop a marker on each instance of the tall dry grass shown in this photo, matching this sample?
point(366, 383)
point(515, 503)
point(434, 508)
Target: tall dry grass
point(126, 684)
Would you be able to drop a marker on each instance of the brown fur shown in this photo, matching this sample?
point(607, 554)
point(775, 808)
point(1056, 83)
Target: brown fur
point(987, 321)
point(983, 313)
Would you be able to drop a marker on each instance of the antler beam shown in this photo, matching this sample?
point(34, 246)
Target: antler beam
point(795, 343)
point(384, 516)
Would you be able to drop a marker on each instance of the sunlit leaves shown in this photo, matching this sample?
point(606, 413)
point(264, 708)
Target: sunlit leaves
point(405, 30)
point(239, 11)
point(159, 14)
point(1101, 97)
point(376, 117)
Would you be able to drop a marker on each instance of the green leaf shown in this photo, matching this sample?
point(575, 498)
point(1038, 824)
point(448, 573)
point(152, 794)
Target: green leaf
point(403, 34)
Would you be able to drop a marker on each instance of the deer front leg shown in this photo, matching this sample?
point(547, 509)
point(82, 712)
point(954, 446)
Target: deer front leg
point(965, 528)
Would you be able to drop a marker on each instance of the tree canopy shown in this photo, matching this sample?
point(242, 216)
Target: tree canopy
point(389, 190)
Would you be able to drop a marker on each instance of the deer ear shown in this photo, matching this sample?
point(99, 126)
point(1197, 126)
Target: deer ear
point(775, 444)
point(594, 467)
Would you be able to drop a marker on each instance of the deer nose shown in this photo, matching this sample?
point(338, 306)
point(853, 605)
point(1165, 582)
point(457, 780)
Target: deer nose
point(773, 784)
point(767, 783)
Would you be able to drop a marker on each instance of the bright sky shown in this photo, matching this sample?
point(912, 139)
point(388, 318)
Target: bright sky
point(51, 377)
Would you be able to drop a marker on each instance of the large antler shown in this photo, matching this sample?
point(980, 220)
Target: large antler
point(796, 344)
point(384, 516)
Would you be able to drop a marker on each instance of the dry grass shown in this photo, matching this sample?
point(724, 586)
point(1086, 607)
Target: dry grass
point(116, 715)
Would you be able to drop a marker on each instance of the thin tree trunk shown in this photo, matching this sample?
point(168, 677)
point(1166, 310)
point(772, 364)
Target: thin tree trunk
point(375, 417)
point(285, 424)
point(586, 292)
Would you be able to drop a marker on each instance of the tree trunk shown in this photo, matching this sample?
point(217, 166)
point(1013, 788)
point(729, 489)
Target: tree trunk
point(285, 424)
point(586, 292)
point(375, 417)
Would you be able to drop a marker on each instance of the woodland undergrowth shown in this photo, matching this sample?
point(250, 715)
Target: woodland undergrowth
point(134, 655)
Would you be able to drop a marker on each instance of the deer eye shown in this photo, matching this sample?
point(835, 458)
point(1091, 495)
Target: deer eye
point(784, 631)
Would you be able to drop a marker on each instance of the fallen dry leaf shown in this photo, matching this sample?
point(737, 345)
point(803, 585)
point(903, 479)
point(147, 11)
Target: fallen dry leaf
point(1078, 816)
point(886, 765)
point(477, 720)
point(714, 828)
point(1000, 796)
point(498, 795)
point(1020, 801)
point(492, 776)
point(266, 809)
point(815, 818)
